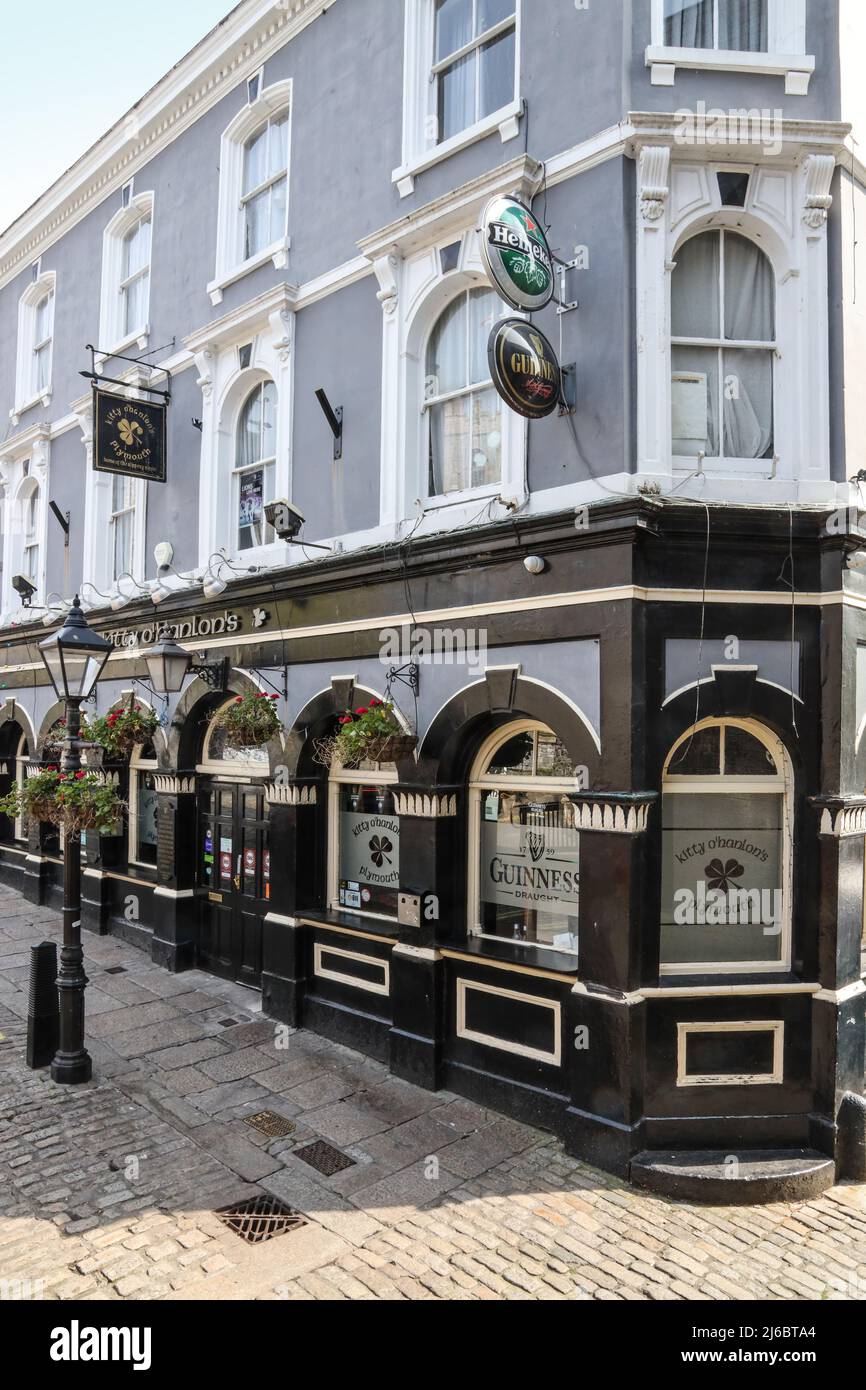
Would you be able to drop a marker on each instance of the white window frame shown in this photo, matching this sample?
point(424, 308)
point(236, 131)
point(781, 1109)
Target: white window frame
point(127, 282)
point(780, 785)
point(420, 116)
point(480, 783)
point(404, 468)
point(443, 499)
point(721, 462)
point(132, 493)
point(99, 555)
point(138, 766)
point(22, 762)
point(27, 390)
point(786, 56)
point(382, 775)
point(268, 468)
point(231, 264)
point(113, 335)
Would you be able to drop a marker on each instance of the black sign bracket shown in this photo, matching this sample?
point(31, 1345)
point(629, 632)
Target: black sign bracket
point(334, 417)
point(95, 376)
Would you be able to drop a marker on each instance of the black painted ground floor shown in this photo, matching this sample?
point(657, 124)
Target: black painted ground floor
point(617, 888)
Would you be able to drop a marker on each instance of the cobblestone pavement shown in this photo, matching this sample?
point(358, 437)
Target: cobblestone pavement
point(108, 1191)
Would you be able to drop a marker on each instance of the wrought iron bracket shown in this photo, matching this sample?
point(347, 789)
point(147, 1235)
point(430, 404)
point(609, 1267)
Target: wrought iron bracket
point(409, 674)
point(282, 690)
point(213, 673)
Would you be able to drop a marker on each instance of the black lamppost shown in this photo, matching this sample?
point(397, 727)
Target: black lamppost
point(74, 657)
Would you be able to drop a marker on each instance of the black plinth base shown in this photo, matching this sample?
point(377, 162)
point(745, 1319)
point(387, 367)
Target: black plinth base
point(72, 1071)
point(737, 1178)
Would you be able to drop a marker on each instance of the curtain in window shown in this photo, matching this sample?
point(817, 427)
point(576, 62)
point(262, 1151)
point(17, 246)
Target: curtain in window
point(743, 25)
point(689, 23)
point(466, 431)
point(256, 449)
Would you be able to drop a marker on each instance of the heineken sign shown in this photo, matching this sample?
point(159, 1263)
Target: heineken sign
point(516, 254)
point(524, 368)
point(128, 437)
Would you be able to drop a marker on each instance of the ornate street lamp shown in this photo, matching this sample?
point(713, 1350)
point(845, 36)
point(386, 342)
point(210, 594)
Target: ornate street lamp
point(168, 665)
point(74, 657)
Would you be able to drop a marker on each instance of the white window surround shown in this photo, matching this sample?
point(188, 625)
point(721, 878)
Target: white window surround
point(27, 391)
point(113, 336)
point(785, 214)
point(230, 263)
point(409, 323)
point(24, 463)
point(267, 323)
point(236, 768)
point(22, 762)
point(781, 785)
point(786, 56)
point(419, 92)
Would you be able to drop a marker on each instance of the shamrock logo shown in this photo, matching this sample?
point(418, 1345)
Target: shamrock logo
point(719, 875)
point(380, 849)
point(130, 432)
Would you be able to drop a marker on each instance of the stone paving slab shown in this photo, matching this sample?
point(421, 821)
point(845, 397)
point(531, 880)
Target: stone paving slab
point(108, 1191)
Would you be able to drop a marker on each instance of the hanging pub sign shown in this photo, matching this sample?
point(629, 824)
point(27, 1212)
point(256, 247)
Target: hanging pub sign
point(524, 368)
point(129, 436)
point(516, 254)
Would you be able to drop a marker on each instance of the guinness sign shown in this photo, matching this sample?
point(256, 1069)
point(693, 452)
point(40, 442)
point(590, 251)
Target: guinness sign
point(524, 368)
point(516, 254)
point(129, 437)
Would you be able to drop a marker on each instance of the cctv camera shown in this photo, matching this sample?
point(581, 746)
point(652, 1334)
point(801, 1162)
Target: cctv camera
point(285, 518)
point(23, 587)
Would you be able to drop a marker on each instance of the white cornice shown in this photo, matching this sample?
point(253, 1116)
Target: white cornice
point(711, 131)
point(236, 48)
point(249, 318)
point(454, 210)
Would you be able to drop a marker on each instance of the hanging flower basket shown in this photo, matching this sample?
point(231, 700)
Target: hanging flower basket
point(76, 800)
point(122, 730)
point(52, 748)
point(250, 721)
point(371, 733)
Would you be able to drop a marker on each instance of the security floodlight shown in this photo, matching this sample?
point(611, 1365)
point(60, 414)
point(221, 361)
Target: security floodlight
point(22, 586)
point(285, 518)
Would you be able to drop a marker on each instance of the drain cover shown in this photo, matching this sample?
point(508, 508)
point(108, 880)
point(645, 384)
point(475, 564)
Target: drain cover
point(228, 1022)
point(270, 1123)
point(260, 1218)
point(116, 970)
point(325, 1158)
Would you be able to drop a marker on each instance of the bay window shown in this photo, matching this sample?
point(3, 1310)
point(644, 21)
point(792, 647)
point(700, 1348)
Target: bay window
point(524, 849)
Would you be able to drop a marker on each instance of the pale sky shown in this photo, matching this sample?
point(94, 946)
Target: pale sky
point(70, 68)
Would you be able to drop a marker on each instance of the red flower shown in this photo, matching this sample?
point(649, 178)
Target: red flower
point(275, 697)
point(239, 699)
point(79, 775)
point(374, 703)
point(345, 719)
point(262, 696)
point(362, 711)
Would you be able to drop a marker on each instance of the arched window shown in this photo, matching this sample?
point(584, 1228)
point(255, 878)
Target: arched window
point(218, 755)
point(255, 459)
point(29, 500)
point(22, 762)
point(363, 842)
point(524, 848)
point(723, 348)
point(143, 806)
point(726, 851)
point(463, 410)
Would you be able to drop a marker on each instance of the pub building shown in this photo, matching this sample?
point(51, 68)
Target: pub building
point(611, 882)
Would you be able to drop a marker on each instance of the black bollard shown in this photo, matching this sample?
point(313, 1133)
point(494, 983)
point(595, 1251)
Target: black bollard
point(43, 1015)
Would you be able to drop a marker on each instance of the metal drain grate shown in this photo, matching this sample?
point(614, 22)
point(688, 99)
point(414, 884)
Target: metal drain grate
point(270, 1123)
point(116, 970)
point(228, 1022)
point(260, 1218)
point(325, 1158)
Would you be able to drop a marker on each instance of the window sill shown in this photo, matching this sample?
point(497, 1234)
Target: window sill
point(277, 253)
point(519, 953)
point(506, 120)
point(466, 498)
point(352, 921)
point(139, 339)
point(725, 468)
point(42, 398)
point(796, 68)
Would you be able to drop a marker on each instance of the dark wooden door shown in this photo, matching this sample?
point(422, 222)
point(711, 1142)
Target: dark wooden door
point(234, 867)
